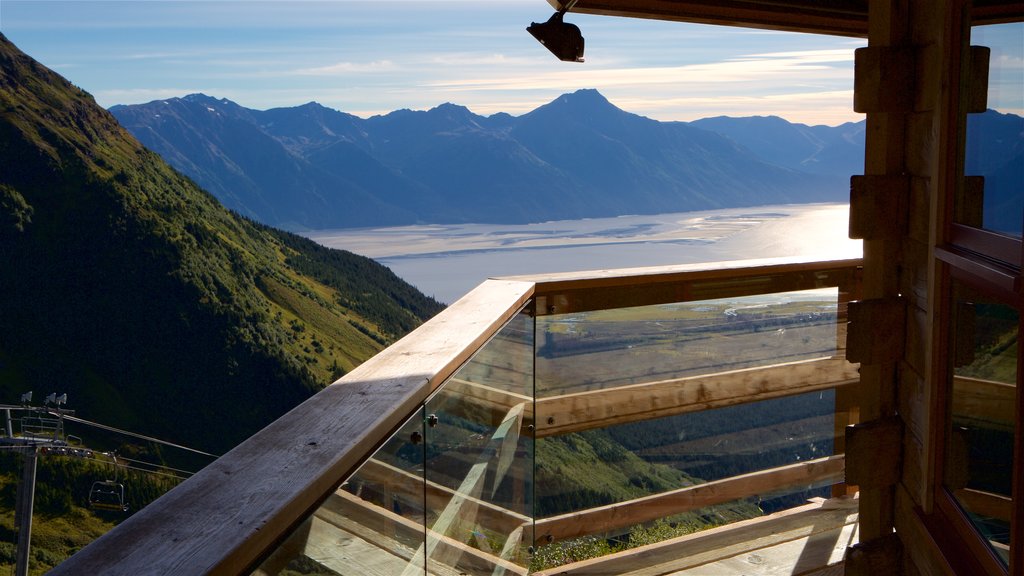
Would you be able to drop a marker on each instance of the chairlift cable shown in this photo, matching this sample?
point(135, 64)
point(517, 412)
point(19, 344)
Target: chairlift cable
point(154, 472)
point(133, 434)
point(144, 470)
point(160, 466)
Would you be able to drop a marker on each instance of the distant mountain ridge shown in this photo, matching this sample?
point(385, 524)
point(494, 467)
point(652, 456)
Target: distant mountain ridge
point(311, 167)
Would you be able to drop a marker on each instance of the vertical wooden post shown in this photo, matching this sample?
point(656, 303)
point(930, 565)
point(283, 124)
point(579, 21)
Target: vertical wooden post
point(884, 68)
point(908, 81)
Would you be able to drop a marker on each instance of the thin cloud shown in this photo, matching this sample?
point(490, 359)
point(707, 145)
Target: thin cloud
point(472, 59)
point(829, 55)
point(348, 68)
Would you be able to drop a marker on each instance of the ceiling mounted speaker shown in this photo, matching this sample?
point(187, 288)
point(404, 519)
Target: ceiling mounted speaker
point(564, 40)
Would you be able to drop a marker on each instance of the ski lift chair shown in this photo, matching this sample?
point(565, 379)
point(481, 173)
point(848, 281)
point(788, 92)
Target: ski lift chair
point(108, 494)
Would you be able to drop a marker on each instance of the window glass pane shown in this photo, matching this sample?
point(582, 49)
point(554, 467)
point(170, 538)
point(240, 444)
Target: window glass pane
point(979, 452)
point(995, 138)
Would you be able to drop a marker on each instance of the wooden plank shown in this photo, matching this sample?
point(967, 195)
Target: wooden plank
point(984, 402)
point(600, 408)
point(711, 545)
point(459, 516)
point(874, 449)
point(877, 330)
point(414, 488)
point(879, 72)
point(984, 503)
point(401, 537)
point(873, 195)
point(883, 555)
point(347, 555)
point(924, 553)
point(977, 79)
point(475, 399)
point(571, 292)
point(625, 514)
point(844, 18)
point(819, 553)
point(249, 496)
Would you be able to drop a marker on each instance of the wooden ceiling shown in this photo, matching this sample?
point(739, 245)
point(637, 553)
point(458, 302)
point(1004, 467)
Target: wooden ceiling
point(836, 17)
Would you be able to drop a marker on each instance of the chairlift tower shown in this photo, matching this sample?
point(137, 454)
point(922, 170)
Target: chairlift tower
point(41, 433)
point(35, 436)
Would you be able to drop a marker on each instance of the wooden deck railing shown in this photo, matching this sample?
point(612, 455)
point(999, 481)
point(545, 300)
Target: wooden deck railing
point(230, 517)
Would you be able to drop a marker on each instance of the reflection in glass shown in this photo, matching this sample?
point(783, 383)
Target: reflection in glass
point(611, 348)
point(979, 451)
point(994, 149)
point(372, 524)
point(479, 460)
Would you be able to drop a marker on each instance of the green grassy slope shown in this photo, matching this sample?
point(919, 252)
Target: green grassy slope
point(155, 308)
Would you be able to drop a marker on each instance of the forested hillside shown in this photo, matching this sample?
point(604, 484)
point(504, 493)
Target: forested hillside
point(156, 309)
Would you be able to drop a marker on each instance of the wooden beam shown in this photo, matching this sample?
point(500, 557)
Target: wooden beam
point(879, 556)
point(482, 403)
point(600, 408)
point(838, 17)
point(625, 514)
point(571, 292)
point(878, 206)
point(983, 503)
point(986, 403)
point(977, 80)
point(877, 331)
point(874, 452)
point(414, 488)
point(459, 516)
point(371, 523)
point(880, 72)
point(701, 548)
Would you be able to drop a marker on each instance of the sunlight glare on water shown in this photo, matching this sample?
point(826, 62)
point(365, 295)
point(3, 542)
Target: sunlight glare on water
point(448, 260)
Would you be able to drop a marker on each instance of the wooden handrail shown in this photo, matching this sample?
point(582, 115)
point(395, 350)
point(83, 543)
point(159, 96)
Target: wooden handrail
point(571, 292)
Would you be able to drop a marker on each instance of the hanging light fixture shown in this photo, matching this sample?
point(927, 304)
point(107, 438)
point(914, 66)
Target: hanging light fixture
point(563, 39)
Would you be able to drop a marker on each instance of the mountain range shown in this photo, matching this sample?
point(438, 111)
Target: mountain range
point(156, 309)
point(311, 167)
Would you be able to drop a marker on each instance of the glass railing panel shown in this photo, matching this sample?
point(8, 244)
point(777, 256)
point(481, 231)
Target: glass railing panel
point(613, 348)
point(686, 415)
point(371, 524)
point(479, 460)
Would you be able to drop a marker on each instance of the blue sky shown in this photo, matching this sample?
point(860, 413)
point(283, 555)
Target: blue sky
point(370, 58)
